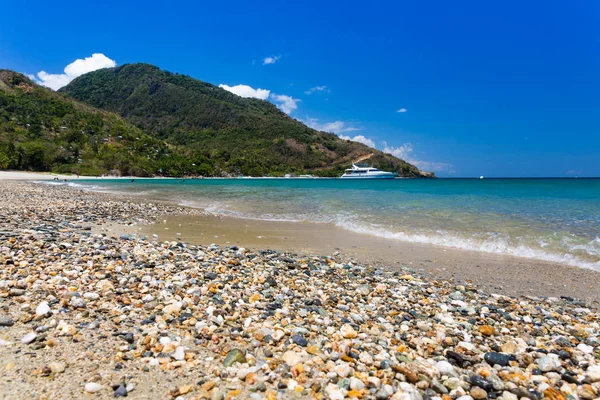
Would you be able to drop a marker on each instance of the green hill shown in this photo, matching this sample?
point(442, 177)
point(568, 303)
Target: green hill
point(219, 131)
point(139, 120)
point(41, 130)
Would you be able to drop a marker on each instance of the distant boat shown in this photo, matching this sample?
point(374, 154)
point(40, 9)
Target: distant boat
point(306, 176)
point(481, 177)
point(363, 171)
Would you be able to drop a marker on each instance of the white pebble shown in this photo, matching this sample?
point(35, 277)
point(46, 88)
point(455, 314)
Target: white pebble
point(356, 384)
point(43, 309)
point(243, 373)
point(444, 368)
point(584, 348)
point(548, 363)
point(593, 373)
point(466, 345)
point(179, 353)
point(342, 370)
point(30, 337)
point(93, 387)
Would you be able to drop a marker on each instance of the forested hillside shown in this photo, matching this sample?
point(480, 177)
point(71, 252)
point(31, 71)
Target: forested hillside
point(139, 120)
point(234, 134)
point(41, 130)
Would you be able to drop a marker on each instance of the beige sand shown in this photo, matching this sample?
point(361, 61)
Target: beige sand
point(495, 273)
point(40, 176)
point(37, 176)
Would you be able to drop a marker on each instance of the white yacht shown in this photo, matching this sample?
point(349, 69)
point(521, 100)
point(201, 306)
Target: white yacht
point(362, 171)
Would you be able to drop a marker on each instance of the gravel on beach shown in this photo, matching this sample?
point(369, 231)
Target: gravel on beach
point(84, 315)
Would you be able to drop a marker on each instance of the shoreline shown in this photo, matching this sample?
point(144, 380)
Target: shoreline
point(580, 252)
point(48, 176)
point(91, 315)
point(495, 273)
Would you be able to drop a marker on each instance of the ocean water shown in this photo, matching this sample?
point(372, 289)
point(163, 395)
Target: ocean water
point(546, 219)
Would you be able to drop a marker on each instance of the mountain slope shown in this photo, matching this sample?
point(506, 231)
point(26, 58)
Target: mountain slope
point(41, 130)
point(230, 134)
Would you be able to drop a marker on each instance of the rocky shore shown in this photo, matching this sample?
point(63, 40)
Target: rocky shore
point(84, 315)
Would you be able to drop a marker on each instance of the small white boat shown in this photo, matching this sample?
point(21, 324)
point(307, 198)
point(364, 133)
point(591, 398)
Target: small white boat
point(361, 171)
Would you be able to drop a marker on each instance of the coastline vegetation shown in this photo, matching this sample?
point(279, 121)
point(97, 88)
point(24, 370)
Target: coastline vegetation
point(139, 120)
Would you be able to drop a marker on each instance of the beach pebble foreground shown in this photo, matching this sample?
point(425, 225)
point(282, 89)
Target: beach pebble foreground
point(85, 315)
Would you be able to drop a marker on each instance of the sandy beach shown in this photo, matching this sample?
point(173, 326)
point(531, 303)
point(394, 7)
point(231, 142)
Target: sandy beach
point(495, 273)
point(33, 176)
point(44, 176)
point(92, 305)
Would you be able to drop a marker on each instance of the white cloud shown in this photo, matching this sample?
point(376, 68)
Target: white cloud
point(405, 152)
point(287, 104)
point(271, 60)
point(75, 69)
point(339, 127)
point(402, 110)
point(335, 127)
point(360, 139)
point(402, 152)
point(317, 89)
point(247, 91)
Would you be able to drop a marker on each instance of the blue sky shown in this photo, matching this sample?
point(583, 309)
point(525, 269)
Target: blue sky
point(489, 88)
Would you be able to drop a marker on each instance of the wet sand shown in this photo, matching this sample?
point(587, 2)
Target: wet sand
point(495, 273)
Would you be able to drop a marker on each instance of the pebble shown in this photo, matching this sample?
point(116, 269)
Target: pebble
point(366, 358)
point(224, 322)
point(121, 391)
point(348, 332)
point(334, 392)
point(587, 392)
point(486, 330)
point(363, 290)
point(481, 382)
point(584, 348)
point(550, 362)
point(292, 358)
point(43, 309)
point(234, 356)
point(342, 370)
point(478, 393)
point(593, 373)
point(356, 384)
point(444, 368)
point(179, 353)
point(29, 338)
point(299, 340)
point(381, 394)
point(93, 387)
point(494, 358)
point(57, 367)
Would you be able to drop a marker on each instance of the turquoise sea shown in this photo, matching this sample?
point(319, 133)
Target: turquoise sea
point(546, 219)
